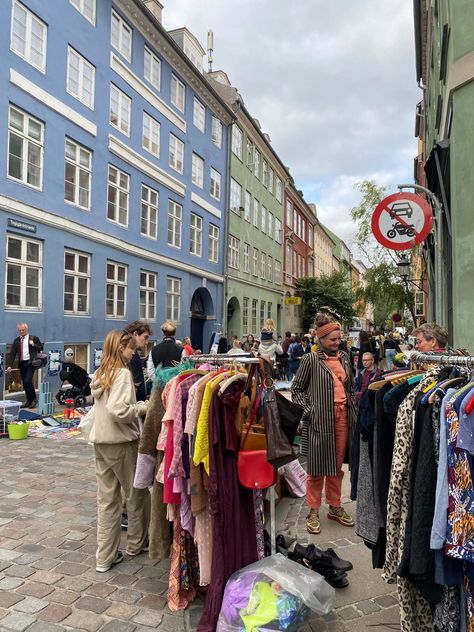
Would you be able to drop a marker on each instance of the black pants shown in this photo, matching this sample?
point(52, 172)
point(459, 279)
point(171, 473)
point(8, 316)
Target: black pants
point(27, 371)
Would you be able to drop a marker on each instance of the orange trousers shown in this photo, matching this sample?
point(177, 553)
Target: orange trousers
point(333, 486)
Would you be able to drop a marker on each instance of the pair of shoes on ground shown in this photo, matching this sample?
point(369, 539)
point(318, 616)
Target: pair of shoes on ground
point(31, 404)
point(327, 563)
point(103, 568)
point(339, 514)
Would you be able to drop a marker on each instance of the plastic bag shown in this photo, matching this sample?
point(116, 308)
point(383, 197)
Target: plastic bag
point(273, 594)
point(295, 475)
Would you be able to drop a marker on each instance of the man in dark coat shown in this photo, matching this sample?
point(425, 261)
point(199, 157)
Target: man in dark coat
point(141, 331)
point(26, 347)
point(168, 350)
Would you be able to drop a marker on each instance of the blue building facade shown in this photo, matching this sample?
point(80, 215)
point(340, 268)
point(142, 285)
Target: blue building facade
point(113, 178)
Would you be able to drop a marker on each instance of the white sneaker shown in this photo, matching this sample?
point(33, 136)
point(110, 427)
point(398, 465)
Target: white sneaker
point(103, 568)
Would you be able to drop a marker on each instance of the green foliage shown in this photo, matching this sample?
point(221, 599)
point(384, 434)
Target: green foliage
point(362, 216)
point(332, 291)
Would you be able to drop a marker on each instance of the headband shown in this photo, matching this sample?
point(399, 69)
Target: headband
point(327, 329)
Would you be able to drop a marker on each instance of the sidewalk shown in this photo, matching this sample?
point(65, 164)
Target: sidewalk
point(48, 581)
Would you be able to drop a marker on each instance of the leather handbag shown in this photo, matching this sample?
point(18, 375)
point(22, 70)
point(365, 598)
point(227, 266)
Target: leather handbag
point(290, 416)
point(40, 360)
point(252, 433)
point(254, 470)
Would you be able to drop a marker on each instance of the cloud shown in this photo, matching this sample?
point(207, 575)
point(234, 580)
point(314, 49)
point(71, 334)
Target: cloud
point(332, 83)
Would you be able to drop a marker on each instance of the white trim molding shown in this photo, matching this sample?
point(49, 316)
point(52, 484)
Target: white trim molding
point(197, 199)
point(47, 218)
point(51, 102)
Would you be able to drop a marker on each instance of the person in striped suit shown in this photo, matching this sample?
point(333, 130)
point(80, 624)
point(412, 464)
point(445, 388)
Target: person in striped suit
point(323, 385)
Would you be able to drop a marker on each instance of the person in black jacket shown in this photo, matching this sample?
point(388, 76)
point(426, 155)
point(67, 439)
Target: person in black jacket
point(26, 347)
point(366, 345)
point(141, 331)
point(168, 350)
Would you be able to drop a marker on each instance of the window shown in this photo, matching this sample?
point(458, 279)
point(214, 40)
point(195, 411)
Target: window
point(215, 184)
point(80, 78)
point(270, 180)
point(234, 252)
point(117, 198)
point(77, 174)
point(147, 295)
point(178, 93)
point(120, 110)
point(256, 164)
point(263, 307)
point(245, 314)
point(278, 231)
point(270, 268)
point(121, 36)
point(199, 115)
point(197, 170)
point(263, 263)
point(24, 273)
point(277, 272)
point(248, 202)
point(151, 135)
point(295, 221)
point(152, 68)
point(419, 304)
point(255, 262)
point(115, 290)
point(263, 223)
point(256, 212)
point(288, 260)
point(288, 213)
point(303, 229)
point(310, 235)
point(28, 36)
point(249, 154)
point(216, 134)
point(270, 225)
point(86, 7)
point(76, 282)
point(80, 354)
point(237, 141)
point(173, 299)
point(175, 219)
point(213, 243)
point(254, 315)
point(176, 154)
point(278, 189)
point(195, 235)
point(269, 310)
point(149, 213)
point(246, 257)
point(25, 148)
point(235, 196)
point(265, 173)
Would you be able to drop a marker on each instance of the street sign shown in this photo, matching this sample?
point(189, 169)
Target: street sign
point(293, 300)
point(402, 220)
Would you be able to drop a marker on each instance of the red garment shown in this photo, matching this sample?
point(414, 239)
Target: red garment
point(188, 350)
point(169, 496)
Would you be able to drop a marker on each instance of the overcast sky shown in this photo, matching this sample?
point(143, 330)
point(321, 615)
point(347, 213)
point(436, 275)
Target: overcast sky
point(331, 81)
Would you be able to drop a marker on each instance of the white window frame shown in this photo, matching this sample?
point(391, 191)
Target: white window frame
point(271, 175)
point(263, 309)
point(265, 173)
point(256, 212)
point(151, 135)
point(270, 269)
point(173, 299)
point(235, 196)
point(216, 133)
point(245, 314)
point(237, 137)
point(263, 219)
point(81, 94)
point(120, 188)
point(195, 235)
point(269, 310)
point(120, 110)
point(197, 171)
point(278, 189)
point(246, 258)
point(277, 272)
point(270, 225)
point(248, 206)
point(278, 231)
point(82, 173)
point(234, 252)
point(149, 212)
point(118, 38)
point(263, 265)
point(254, 315)
point(87, 8)
point(255, 260)
point(256, 164)
point(199, 115)
point(249, 154)
point(288, 213)
point(117, 285)
point(152, 68)
point(178, 93)
point(147, 295)
point(77, 276)
point(215, 188)
point(175, 224)
point(213, 247)
point(25, 265)
point(26, 140)
point(31, 21)
point(176, 154)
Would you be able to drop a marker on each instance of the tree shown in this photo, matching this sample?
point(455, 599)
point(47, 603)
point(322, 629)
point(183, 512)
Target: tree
point(333, 292)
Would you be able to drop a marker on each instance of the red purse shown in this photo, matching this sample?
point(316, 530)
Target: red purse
point(254, 470)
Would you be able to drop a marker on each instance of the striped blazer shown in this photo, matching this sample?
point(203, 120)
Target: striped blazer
point(313, 388)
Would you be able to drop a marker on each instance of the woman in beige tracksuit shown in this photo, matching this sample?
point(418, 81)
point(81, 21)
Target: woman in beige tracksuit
point(115, 435)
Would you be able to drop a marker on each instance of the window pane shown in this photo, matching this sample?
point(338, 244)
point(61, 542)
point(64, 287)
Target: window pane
point(32, 252)
point(14, 248)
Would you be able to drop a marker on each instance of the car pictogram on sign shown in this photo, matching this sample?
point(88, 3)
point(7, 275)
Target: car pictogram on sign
point(401, 229)
point(401, 209)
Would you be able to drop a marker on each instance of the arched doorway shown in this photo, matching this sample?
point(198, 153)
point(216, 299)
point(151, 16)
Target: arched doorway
point(201, 307)
point(233, 318)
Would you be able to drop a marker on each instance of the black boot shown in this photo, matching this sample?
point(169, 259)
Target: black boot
point(337, 562)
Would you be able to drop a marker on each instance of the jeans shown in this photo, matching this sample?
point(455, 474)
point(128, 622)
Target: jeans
point(389, 355)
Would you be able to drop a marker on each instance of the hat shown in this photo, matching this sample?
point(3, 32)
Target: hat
point(266, 335)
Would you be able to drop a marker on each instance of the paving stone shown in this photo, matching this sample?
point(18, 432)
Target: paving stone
point(35, 590)
point(3, 612)
point(100, 590)
point(7, 555)
point(386, 601)
point(28, 558)
point(8, 599)
point(171, 622)
point(52, 542)
point(348, 613)
point(17, 621)
point(51, 553)
point(70, 545)
point(46, 577)
point(84, 620)
point(18, 571)
point(118, 626)
point(94, 604)
point(151, 571)
point(66, 597)
point(45, 564)
point(10, 583)
point(41, 626)
point(31, 548)
point(78, 584)
point(368, 606)
point(54, 613)
point(122, 611)
point(148, 617)
point(71, 568)
point(73, 556)
point(30, 605)
point(124, 580)
point(151, 586)
point(156, 602)
point(126, 595)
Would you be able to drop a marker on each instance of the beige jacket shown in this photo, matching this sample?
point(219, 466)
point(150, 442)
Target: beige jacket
point(116, 411)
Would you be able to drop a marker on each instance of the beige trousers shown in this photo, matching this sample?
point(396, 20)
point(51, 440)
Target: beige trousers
point(115, 470)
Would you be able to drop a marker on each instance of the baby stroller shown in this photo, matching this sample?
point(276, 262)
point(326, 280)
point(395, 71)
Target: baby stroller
point(78, 387)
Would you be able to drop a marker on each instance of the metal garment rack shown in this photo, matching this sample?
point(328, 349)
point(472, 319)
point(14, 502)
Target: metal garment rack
point(443, 359)
point(248, 358)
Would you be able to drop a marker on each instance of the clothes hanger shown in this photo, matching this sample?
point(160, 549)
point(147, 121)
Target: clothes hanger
point(230, 380)
point(394, 379)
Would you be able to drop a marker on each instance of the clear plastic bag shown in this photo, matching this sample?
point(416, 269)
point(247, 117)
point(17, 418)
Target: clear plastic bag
point(273, 594)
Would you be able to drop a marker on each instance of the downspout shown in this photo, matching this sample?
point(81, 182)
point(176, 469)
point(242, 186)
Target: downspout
point(226, 233)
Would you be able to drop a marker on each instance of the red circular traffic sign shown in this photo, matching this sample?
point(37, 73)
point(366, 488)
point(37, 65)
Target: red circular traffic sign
point(402, 220)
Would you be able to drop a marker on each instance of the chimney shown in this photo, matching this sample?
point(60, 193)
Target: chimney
point(155, 7)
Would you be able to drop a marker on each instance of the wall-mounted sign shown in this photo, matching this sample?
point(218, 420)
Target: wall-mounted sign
point(402, 220)
point(14, 223)
point(293, 300)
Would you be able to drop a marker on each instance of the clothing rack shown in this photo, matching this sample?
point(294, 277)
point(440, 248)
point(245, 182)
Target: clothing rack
point(443, 359)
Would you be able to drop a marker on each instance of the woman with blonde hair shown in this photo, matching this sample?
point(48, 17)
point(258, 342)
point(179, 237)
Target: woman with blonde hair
point(268, 345)
point(115, 433)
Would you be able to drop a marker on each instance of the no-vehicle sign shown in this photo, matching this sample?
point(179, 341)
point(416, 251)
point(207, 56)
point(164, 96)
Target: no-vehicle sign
point(402, 220)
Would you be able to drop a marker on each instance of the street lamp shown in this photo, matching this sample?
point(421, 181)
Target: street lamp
point(404, 270)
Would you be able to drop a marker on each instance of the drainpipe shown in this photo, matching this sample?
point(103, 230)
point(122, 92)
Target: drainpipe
point(226, 232)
